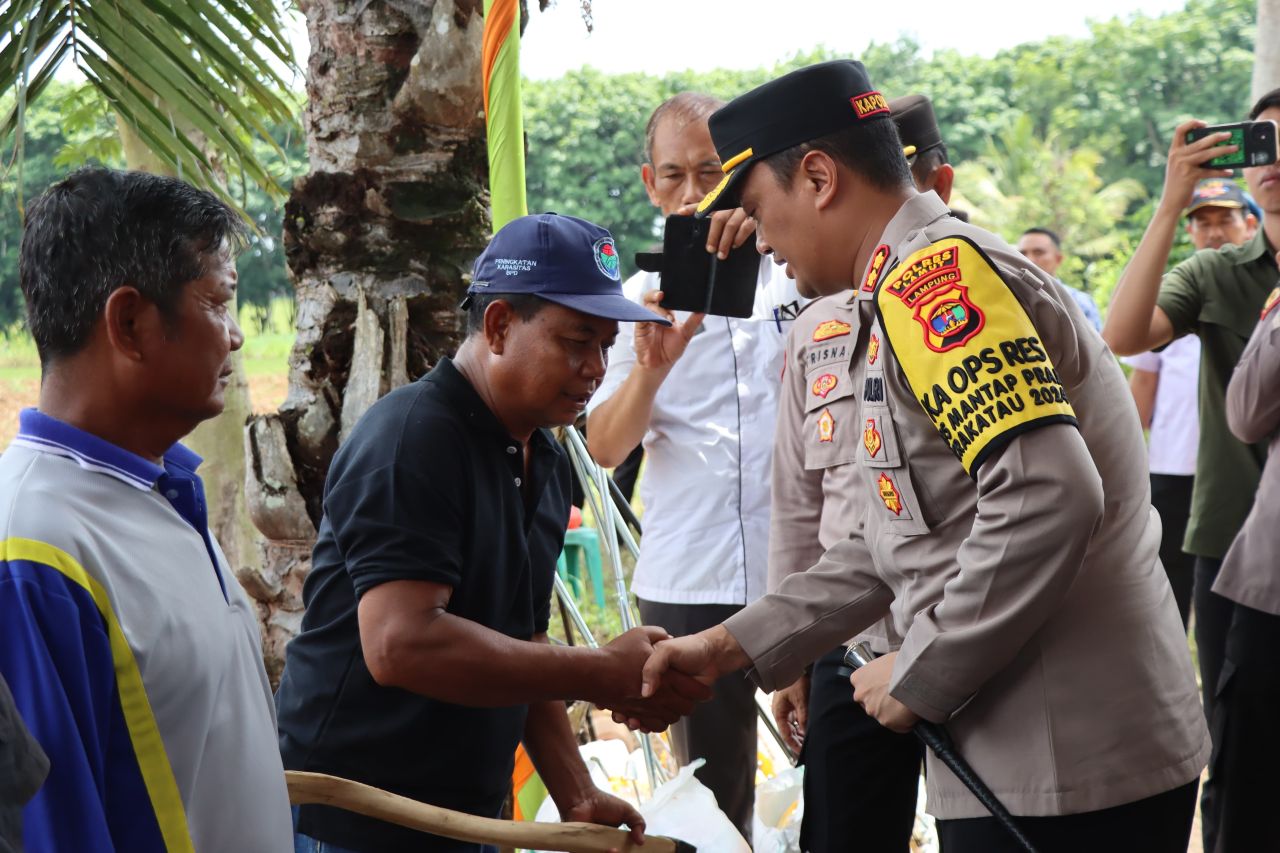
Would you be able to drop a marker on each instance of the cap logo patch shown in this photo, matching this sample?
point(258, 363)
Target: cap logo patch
point(869, 104)
point(606, 257)
point(1212, 189)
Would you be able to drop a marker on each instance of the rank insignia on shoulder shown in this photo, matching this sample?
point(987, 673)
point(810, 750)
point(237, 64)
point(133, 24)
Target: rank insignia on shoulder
point(831, 329)
point(1272, 301)
point(877, 266)
point(889, 494)
point(826, 427)
point(873, 349)
point(824, 385)
point(871, 438)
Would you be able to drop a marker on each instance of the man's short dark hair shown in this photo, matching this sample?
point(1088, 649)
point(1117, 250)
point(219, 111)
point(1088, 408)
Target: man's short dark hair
point(872, 149)
point(928, 160)
point(1057, 244)
point(685, 107)
point(101, 229)
point(1266, 102)
point(526, 305)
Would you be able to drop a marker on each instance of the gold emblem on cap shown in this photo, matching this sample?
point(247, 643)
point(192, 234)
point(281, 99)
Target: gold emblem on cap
point(711, 197)
point(728, 165)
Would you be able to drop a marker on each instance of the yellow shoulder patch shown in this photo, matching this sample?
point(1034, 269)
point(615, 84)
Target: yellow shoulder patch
point(969, 351)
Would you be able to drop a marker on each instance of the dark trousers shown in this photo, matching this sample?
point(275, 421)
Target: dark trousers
point(860, 780)
point(723, 731)
point(1246, 737)
point(1171, 496)
point(1159, 824)
point(1213, 620)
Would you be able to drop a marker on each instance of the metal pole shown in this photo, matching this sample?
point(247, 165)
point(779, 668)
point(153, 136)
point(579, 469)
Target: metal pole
point(591, 474)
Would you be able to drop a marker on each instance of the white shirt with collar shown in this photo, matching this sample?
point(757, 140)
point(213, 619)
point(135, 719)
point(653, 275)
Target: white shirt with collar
point(708, 449)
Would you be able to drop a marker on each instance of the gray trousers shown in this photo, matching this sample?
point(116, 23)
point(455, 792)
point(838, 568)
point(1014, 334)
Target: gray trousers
point(723, 730)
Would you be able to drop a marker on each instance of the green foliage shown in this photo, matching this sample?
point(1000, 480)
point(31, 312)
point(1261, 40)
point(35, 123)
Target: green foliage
point(198, 82)
point(1066, 132)
point(73, 126)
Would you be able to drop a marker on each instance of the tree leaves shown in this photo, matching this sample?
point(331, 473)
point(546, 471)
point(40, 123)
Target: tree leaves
point(187, 77)
point(1096, 112)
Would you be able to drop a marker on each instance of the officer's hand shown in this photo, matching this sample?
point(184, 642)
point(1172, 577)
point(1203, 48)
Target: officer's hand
point(705, 656)
point(1183, 169)
point(729, 229)
point(660, 347)
point(791, 712)
point(871, 691)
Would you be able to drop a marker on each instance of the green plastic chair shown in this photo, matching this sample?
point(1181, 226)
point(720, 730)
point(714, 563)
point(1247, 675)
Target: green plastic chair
point(582, 544)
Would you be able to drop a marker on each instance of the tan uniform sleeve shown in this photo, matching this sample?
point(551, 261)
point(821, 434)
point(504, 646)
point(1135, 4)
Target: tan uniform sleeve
point(1039, 500)
point(796, 510)
point(1253, 397)
point(811, 612)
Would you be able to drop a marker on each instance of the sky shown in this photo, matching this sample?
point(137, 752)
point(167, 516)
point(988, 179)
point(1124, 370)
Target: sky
point(659, 36)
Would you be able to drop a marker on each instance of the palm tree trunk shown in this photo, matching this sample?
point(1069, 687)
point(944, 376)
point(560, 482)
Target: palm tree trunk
point(1266, 49)
point(378, 236)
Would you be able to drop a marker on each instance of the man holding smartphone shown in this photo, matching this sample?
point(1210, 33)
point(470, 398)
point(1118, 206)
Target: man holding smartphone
point(1217, 295)
point(702, 396)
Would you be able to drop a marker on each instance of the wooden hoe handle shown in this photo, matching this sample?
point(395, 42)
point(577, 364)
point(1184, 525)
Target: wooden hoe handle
point(322, 789)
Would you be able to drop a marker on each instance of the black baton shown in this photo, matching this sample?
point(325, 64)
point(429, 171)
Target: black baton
point(934, 736)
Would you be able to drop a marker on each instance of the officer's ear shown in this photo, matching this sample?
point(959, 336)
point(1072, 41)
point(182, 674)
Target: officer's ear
point(820, 178)
point(942, 178)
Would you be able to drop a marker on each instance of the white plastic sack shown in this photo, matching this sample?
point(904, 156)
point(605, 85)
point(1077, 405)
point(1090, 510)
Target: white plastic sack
point(686, 809)
point(681, 808)
point(779, 810)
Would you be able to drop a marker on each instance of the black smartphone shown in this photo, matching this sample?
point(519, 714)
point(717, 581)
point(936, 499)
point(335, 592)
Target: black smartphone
point(693, 279)
point(1255, 143)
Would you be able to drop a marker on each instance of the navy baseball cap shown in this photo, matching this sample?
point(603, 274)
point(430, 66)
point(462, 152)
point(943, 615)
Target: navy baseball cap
point(561, 259)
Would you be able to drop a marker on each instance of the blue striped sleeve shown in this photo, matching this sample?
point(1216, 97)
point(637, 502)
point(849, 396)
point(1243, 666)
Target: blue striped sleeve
point(56, 655)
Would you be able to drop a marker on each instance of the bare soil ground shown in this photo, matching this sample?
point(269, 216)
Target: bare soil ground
point(266, 391)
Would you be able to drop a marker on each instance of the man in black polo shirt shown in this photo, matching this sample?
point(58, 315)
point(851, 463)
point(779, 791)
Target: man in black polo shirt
point(423, 659)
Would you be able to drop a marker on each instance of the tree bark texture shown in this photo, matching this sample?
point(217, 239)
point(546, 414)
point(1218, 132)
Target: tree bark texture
point(1266, 50)
point(378, 237)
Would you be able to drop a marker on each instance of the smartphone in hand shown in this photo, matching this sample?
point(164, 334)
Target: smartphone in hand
point(1255, 143)
point(693, 279)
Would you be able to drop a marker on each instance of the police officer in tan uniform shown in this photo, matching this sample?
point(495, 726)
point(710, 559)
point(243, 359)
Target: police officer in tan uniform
point(1006, 527)
point(1246, 739)
point(860, 779)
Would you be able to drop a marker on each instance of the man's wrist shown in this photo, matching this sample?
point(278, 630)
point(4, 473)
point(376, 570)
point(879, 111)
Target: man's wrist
point(727, 653)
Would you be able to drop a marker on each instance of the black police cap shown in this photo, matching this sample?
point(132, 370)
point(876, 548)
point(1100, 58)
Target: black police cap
point(917, 125)
point(798, 107)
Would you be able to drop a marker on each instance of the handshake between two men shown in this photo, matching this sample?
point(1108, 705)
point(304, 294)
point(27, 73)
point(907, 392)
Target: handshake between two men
point(677, 673)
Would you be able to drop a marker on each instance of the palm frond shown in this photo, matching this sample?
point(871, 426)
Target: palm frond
point(192, 79)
